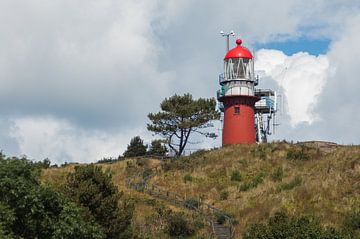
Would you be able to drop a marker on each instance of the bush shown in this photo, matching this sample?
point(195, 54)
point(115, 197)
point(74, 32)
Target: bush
point(147, 172)
point(135, 148)
point(352, 220)
point(283, 226)
point(177, 226)
point(221, 218)
point(258, 179)
point(277, 175)
point(235, 176)
point(157, 148)
point(94, 190)
point(191, 203)
point(292, 184)
point(188, 178)
point(298, 154)
point(224, 195)
point(31, 210)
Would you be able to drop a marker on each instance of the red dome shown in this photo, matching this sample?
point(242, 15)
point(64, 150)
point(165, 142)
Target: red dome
point(238, 51)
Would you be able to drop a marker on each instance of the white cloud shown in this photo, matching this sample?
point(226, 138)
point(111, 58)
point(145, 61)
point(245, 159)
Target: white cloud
point(60, 141)
point(301, 76)
point(81, 60)
point(98, 67)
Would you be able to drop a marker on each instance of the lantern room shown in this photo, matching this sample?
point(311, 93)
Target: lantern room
point(238, 77)
point(238, 63)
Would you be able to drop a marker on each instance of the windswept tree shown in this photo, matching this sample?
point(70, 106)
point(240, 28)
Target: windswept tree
point(182, 115)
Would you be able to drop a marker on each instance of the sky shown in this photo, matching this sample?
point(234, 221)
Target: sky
point(78, 78)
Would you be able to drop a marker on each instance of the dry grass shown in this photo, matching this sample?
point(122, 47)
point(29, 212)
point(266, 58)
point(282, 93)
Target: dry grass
point(330, 183)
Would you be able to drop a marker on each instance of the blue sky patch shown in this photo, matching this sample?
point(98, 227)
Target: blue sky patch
point(313, 46)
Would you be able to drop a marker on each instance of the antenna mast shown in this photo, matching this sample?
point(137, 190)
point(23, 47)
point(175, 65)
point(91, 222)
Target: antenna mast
point(227, 35)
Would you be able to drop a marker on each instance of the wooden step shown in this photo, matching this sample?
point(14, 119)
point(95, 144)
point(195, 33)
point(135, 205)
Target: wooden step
point(221, 231)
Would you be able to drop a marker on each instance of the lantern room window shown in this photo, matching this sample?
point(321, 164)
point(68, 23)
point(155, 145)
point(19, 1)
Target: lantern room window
point(238, 68)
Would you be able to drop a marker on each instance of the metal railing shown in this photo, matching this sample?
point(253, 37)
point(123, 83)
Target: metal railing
point(207, 211)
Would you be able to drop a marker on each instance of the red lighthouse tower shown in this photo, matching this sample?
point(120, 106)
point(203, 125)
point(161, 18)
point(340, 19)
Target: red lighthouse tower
point(237, 96)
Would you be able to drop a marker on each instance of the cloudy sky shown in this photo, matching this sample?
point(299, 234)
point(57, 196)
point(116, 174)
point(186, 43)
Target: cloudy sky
point(77, 78)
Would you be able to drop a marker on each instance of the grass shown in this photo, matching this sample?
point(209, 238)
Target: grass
point(306, 181)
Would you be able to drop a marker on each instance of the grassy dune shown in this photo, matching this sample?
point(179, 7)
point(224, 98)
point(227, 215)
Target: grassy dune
point(250, 182)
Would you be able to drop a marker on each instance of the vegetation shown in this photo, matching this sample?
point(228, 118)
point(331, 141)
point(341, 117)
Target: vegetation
point(328, 193)
point(236, 176)
point(192, 203)
point(135, 148)
point(157, 148)
point(177, 226)
point(31, 210)
point(253, 183)
point(93, 189)
point(277, 175)
point(188, 178)
point(224, 195)
point(283, 226)
point(180, 116)
point(296, 181)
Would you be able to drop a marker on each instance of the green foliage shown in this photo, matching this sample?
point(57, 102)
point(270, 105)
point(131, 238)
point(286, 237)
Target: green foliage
point(253, 183)
point(157, 148)
point(224, 195)
point(135, 148)
point(282, 226)
point(180, 116)
point(177, 226)
point(352, 220)
point(7, 219)
point(292, 184)
point(191, 203)
point(221, 218)
point(43, 164)
point(93, 189)
point(30, 210)
point(147, 172)
point(298, 154)
point(72, 225)
point(236, 176)
point(188, 178)
point(277, 175)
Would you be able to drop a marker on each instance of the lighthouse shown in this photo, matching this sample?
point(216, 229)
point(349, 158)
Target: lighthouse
point(248, 113)
point(237, 96)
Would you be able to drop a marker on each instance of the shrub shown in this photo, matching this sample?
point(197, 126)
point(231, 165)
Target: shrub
point(277, 175)
point(31, 210)
point(157, 148)
point(147, 172)
point(191, 203)
point(94, 190)
point(221, 218)
point(235, 176)
point(135, 148)
point(283, 226)
point(224, 195)
point(352, 220)
point(258, 179)
point(188, 178)
point(177, 226)
point(292, 184)
point(298, 154)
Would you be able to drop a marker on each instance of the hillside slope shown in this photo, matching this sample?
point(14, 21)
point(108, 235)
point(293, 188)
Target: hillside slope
point(250, 182)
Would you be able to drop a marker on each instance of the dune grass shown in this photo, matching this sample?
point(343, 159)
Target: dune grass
point(250, 182)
